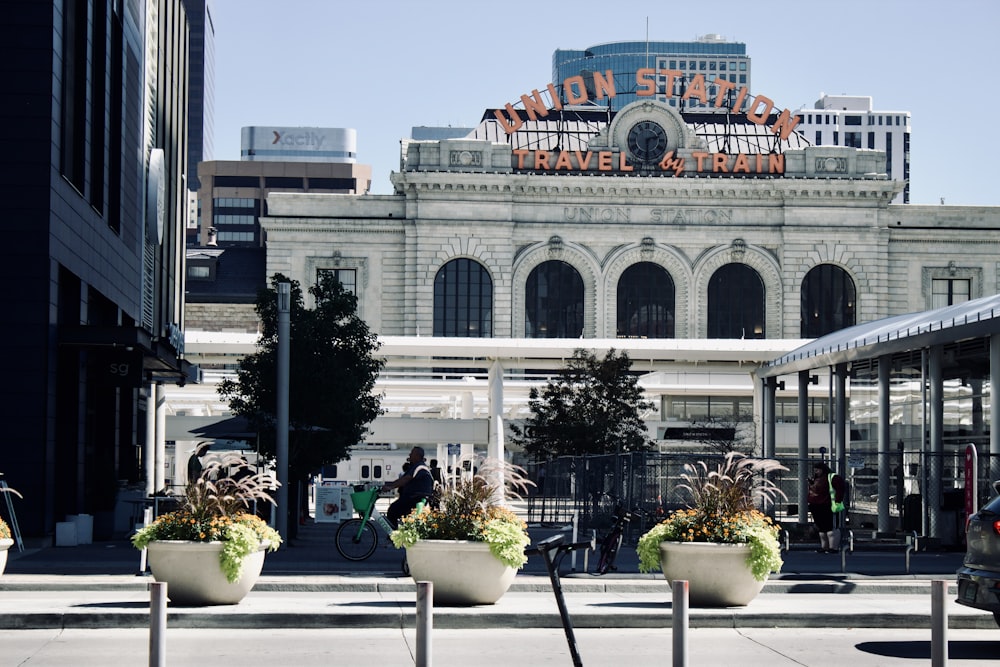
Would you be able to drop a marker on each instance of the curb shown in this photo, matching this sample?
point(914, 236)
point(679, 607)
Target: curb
point(571, 584)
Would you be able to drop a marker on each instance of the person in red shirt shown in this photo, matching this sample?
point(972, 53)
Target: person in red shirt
point(820, 505)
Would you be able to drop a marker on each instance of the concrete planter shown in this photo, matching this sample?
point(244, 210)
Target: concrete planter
point(5, 544)
point(194, 576)
point(717, 574)
point(463, 573)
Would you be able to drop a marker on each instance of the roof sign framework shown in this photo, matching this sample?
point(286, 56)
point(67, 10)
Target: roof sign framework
point(572, 129)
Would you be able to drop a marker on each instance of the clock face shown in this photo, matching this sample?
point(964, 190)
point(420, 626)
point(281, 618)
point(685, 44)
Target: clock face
point(647, 141)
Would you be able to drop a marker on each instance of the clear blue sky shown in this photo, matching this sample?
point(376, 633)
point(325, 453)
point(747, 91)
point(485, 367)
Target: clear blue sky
point(385, 66)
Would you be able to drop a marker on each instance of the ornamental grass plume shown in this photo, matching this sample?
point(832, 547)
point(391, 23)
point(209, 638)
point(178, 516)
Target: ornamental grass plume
point(4, 528)
point(216, 507)
point(474, 509)
point(723, 508)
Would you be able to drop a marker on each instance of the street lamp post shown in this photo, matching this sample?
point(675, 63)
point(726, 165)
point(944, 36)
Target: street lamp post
point(281, 446)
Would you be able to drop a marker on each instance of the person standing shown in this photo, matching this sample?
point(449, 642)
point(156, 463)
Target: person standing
point(435, 471)
point(435, 499)
point(825, 489)
point(415, 485)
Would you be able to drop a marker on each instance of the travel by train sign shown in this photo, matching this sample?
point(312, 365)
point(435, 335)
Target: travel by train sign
point(647, 141)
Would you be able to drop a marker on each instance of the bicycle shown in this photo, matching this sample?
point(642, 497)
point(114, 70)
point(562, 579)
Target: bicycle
point(612, 542)
point(357, 538)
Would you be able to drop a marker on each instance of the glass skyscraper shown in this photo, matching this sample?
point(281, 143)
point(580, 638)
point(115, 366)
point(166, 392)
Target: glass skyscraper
point(711, 56)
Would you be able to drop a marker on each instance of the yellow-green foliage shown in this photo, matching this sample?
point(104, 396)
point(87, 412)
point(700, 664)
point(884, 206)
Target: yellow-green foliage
point(722, 509)
point(214, 509)
point(471, 510)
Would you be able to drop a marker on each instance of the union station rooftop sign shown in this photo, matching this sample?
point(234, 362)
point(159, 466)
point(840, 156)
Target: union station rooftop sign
point(647, 137)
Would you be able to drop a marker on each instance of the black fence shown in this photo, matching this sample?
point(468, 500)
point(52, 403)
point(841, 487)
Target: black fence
point(588, 489)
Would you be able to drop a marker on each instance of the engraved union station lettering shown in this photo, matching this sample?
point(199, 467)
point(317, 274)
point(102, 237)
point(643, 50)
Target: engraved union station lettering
point(683, 216)
point(596, 214)
point(677, 216)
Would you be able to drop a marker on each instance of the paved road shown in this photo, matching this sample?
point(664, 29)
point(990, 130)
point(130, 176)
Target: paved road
point(770, 647)
point(86, 605)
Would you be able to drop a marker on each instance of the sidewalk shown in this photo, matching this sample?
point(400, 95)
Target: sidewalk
point(308, 585)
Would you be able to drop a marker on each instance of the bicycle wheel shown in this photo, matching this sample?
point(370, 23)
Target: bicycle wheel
point(609, 551)
point(356, 540)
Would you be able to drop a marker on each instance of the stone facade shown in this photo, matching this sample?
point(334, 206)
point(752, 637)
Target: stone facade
point(467, 199)
point(232, 317)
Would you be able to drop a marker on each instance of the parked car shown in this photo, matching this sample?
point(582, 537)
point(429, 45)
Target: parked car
point(979, 576)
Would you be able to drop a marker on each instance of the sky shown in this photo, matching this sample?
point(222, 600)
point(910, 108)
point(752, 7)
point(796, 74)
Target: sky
point(383, 67)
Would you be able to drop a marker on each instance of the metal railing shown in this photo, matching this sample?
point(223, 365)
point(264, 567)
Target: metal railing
point(591, 487)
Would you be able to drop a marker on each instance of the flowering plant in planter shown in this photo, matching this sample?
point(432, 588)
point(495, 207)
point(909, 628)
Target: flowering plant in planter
point(214, 508)
point(723, 508)
point(473, 510)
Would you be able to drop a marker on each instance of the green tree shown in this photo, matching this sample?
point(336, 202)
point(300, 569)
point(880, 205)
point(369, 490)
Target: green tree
point(593, 407)
point(332, 371)
point(727, 433)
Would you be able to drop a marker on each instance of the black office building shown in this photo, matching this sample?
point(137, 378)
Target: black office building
point(91, 173)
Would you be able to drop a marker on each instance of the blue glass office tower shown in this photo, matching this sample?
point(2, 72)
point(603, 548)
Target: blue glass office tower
point(201, 88)
point(711, 56)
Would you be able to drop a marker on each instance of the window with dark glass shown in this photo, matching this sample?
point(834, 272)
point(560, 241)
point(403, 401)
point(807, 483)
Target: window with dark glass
point(333, 184)
point(75, 93)
point(888, 152)
point(645, 302)
point(348, 278)
point(829, 301)
point(463, 300)
point(283, 182)
point(237, 182)
point(736, 303)
point(553, 301)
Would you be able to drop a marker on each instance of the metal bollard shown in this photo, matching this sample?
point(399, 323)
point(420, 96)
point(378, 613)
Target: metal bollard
point(939, 623)
point(425, 622)
point(158, 624)
point(576, 524)
point(679, 609)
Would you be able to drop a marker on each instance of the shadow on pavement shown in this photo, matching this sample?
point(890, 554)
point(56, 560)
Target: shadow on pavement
point(965, 650)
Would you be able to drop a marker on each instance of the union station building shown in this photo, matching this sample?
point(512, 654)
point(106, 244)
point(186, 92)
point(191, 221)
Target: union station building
point(704, 244)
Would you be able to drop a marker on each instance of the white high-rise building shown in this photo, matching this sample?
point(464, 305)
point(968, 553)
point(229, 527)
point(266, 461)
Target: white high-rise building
point(849, 120)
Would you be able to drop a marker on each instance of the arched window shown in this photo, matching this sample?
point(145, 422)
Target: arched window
point(463, 300)
point(645, 302)
point(736, 303)
point(829, 301)
point(553, 301)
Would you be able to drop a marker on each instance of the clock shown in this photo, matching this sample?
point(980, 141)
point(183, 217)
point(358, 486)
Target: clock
point(647, 141)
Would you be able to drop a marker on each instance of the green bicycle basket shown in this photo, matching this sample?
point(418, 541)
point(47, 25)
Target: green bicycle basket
point(362, 500)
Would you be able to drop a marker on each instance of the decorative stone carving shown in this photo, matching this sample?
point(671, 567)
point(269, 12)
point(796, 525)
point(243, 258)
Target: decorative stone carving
point(833, 165)
point(646, 247)
point(555, 246)
point(466, 158)
point(738, 250)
